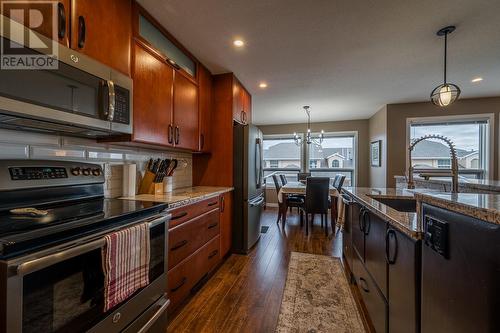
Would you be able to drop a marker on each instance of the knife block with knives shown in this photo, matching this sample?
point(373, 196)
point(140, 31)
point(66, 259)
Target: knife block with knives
point(156, 171)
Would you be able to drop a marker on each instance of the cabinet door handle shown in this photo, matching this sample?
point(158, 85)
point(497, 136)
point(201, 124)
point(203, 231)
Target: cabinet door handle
point(367, 226)
point(176, 217)
point(210, 204)
point(202, 141)
point(361, 220)
point(222, 204)
point(242, 116)
point(364, 285)
point(177, 135)
point(81, 32)
point(391, 260)
point(213, 254)
point(61, 20)
point(211, 226)
point(179, 245)
point(170, 134)
point(183, 281)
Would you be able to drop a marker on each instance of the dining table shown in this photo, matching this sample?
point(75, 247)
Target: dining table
point(299, 188)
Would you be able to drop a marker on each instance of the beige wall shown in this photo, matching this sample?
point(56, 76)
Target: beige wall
point(360, 126)
point(397, 115)
point(377, 126)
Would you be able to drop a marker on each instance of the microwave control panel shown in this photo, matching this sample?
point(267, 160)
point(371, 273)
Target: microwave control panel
point(122, 106)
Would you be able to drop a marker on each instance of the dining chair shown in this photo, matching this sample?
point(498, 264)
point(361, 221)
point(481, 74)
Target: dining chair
point(283, 179)
point(287, 201)
point(317, 194)
point(337, 184)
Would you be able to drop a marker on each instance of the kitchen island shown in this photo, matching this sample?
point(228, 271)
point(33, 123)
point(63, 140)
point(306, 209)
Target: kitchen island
point(398, 241)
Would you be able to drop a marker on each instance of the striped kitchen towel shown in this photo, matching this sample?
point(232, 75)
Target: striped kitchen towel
point(126, 264)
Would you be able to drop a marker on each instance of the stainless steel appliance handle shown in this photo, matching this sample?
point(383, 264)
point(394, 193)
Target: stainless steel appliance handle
point(111, 100)
point(258, 163)
point(71, 251)
point(154, 318)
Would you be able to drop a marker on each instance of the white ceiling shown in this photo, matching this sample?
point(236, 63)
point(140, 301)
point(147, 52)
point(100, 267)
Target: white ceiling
point(345, 58)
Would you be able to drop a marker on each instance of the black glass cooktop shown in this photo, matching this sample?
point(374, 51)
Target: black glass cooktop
point(23, 231)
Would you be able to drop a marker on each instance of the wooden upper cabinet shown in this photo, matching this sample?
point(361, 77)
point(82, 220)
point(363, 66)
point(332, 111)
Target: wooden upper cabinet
point(242, 104)
point(153, 84)
point(237, 101)
point(102, 30)
point(45, 27)
point(205, 87)
point(247, 106)
point(185, 113)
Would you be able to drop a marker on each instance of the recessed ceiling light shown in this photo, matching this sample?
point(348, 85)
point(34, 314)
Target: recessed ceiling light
point(262, 85)
point(477, 79)
point(238, 43)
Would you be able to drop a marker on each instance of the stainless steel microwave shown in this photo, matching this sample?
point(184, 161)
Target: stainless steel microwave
point(80, 97)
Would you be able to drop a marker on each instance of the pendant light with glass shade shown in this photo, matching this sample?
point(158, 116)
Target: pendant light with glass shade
point(446, 93)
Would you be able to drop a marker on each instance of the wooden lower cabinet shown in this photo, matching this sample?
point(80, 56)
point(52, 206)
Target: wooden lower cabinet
point(186, 238)
point(386, 266)
point(372, 298)
point(194, 246)
point(226, 222)
point(183, 277)
point(404, 256)
point(375, 261)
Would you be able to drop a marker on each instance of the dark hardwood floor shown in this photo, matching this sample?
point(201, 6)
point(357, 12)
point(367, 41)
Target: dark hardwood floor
point(244, 295)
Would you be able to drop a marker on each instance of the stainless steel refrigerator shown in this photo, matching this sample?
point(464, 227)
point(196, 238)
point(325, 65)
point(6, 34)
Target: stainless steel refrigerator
point(248, 186)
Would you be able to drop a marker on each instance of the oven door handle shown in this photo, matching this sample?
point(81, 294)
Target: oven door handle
point(71, 250)
point(162, 307)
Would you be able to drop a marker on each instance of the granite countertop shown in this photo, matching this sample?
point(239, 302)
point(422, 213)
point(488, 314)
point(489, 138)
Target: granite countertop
point(482, 206)
point(405, 222)
point(470, 184)
point(183, 196)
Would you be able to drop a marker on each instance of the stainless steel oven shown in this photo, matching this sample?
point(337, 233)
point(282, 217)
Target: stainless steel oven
point(81, 97)
point(61, 289)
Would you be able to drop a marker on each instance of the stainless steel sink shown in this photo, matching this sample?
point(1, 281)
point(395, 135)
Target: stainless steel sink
point(406, 205)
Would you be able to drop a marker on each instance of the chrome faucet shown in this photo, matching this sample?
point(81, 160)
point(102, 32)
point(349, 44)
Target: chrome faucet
point(432, 173)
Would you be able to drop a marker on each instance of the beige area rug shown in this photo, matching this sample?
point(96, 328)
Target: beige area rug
point(317, 297)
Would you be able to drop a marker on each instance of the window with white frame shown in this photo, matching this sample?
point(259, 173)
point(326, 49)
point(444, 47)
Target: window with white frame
point(281, 156)
point(336, 155)
point(471, 137)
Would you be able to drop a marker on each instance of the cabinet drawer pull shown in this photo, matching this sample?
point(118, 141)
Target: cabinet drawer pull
point(179, 245)
point(211, 226)
point(184, 280)
point(176, 217)
point(210, 204)
point(213, 254)
point(61, 20)
point(81, 32)
point(363, 285)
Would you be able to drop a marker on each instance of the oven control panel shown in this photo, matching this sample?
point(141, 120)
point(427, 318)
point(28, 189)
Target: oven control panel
point(23, 174)
point(28, 173)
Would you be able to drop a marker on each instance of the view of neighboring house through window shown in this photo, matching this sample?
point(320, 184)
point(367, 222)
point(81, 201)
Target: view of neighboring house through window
point(471, 140)
point(336, 155)
point(281, 156)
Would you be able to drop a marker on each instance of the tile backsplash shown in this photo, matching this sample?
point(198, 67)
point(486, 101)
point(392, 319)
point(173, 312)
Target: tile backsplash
point(31, 145)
